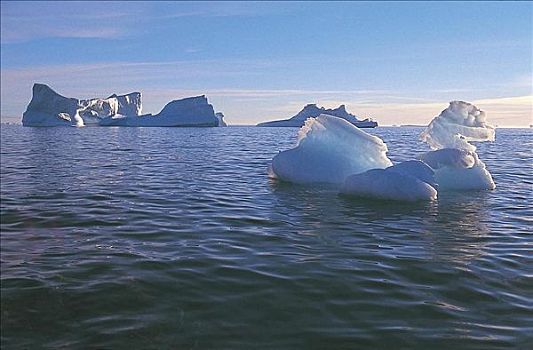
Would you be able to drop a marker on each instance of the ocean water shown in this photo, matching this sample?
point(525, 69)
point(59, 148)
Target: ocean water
point(175, 238)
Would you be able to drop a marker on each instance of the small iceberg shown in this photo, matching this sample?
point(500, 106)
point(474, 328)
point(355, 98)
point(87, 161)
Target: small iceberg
point(333, 150)
point(313, 111)
point(454, 159)
point(48, 108)
point(329, 149)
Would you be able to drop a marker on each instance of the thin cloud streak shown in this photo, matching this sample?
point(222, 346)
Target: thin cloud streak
point(27, 21)
point(38, 20)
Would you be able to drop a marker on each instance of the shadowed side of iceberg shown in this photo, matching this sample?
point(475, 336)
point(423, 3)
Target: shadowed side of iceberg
point(409, 181)
point(48, 108)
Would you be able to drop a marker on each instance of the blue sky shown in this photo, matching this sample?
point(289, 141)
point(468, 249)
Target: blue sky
point(256, 61)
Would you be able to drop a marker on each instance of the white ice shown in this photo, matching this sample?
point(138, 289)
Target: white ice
point(454, 159)
point(455, 126)
point(329, 149)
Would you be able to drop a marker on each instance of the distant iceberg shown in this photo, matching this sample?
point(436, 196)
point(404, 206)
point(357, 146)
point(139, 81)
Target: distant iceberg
point(48, 108)
point(191, 111)
point(313, 111)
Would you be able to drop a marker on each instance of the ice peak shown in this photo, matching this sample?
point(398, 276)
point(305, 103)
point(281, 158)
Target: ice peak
point(455, 126)
point(341, 108)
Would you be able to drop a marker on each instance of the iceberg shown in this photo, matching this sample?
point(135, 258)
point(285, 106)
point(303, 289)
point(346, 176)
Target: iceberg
point(332, 150)
point(329, 149)
point(313, 111)
point(191, 111)
point(408, 181)
point(454, 159)
point(48, 108)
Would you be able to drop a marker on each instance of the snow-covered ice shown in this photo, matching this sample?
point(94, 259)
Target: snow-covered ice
point(329, 149)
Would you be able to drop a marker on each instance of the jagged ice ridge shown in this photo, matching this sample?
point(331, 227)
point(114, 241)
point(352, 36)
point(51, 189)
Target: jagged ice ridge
point(48, 108)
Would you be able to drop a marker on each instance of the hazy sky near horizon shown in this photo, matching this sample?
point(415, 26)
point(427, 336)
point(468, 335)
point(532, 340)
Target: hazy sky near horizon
point(398, 62)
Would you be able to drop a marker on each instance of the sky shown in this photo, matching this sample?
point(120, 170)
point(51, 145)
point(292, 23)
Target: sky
point(397, 62)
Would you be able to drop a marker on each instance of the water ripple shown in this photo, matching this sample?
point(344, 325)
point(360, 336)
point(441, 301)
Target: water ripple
point(176, 238)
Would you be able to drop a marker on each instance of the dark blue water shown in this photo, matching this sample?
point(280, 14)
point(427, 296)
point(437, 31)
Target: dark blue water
point(175, 238)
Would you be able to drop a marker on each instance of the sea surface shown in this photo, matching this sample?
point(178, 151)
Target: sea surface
point(175, 238)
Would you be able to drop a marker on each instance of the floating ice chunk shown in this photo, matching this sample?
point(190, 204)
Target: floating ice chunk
point(474, 178)
point(458, 124)
point(329, 149)
point(459, 170)
point(408, 181)
point(455, 161)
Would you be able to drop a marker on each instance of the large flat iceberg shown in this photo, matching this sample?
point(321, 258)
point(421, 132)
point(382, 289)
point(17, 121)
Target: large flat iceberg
point(48, 108)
